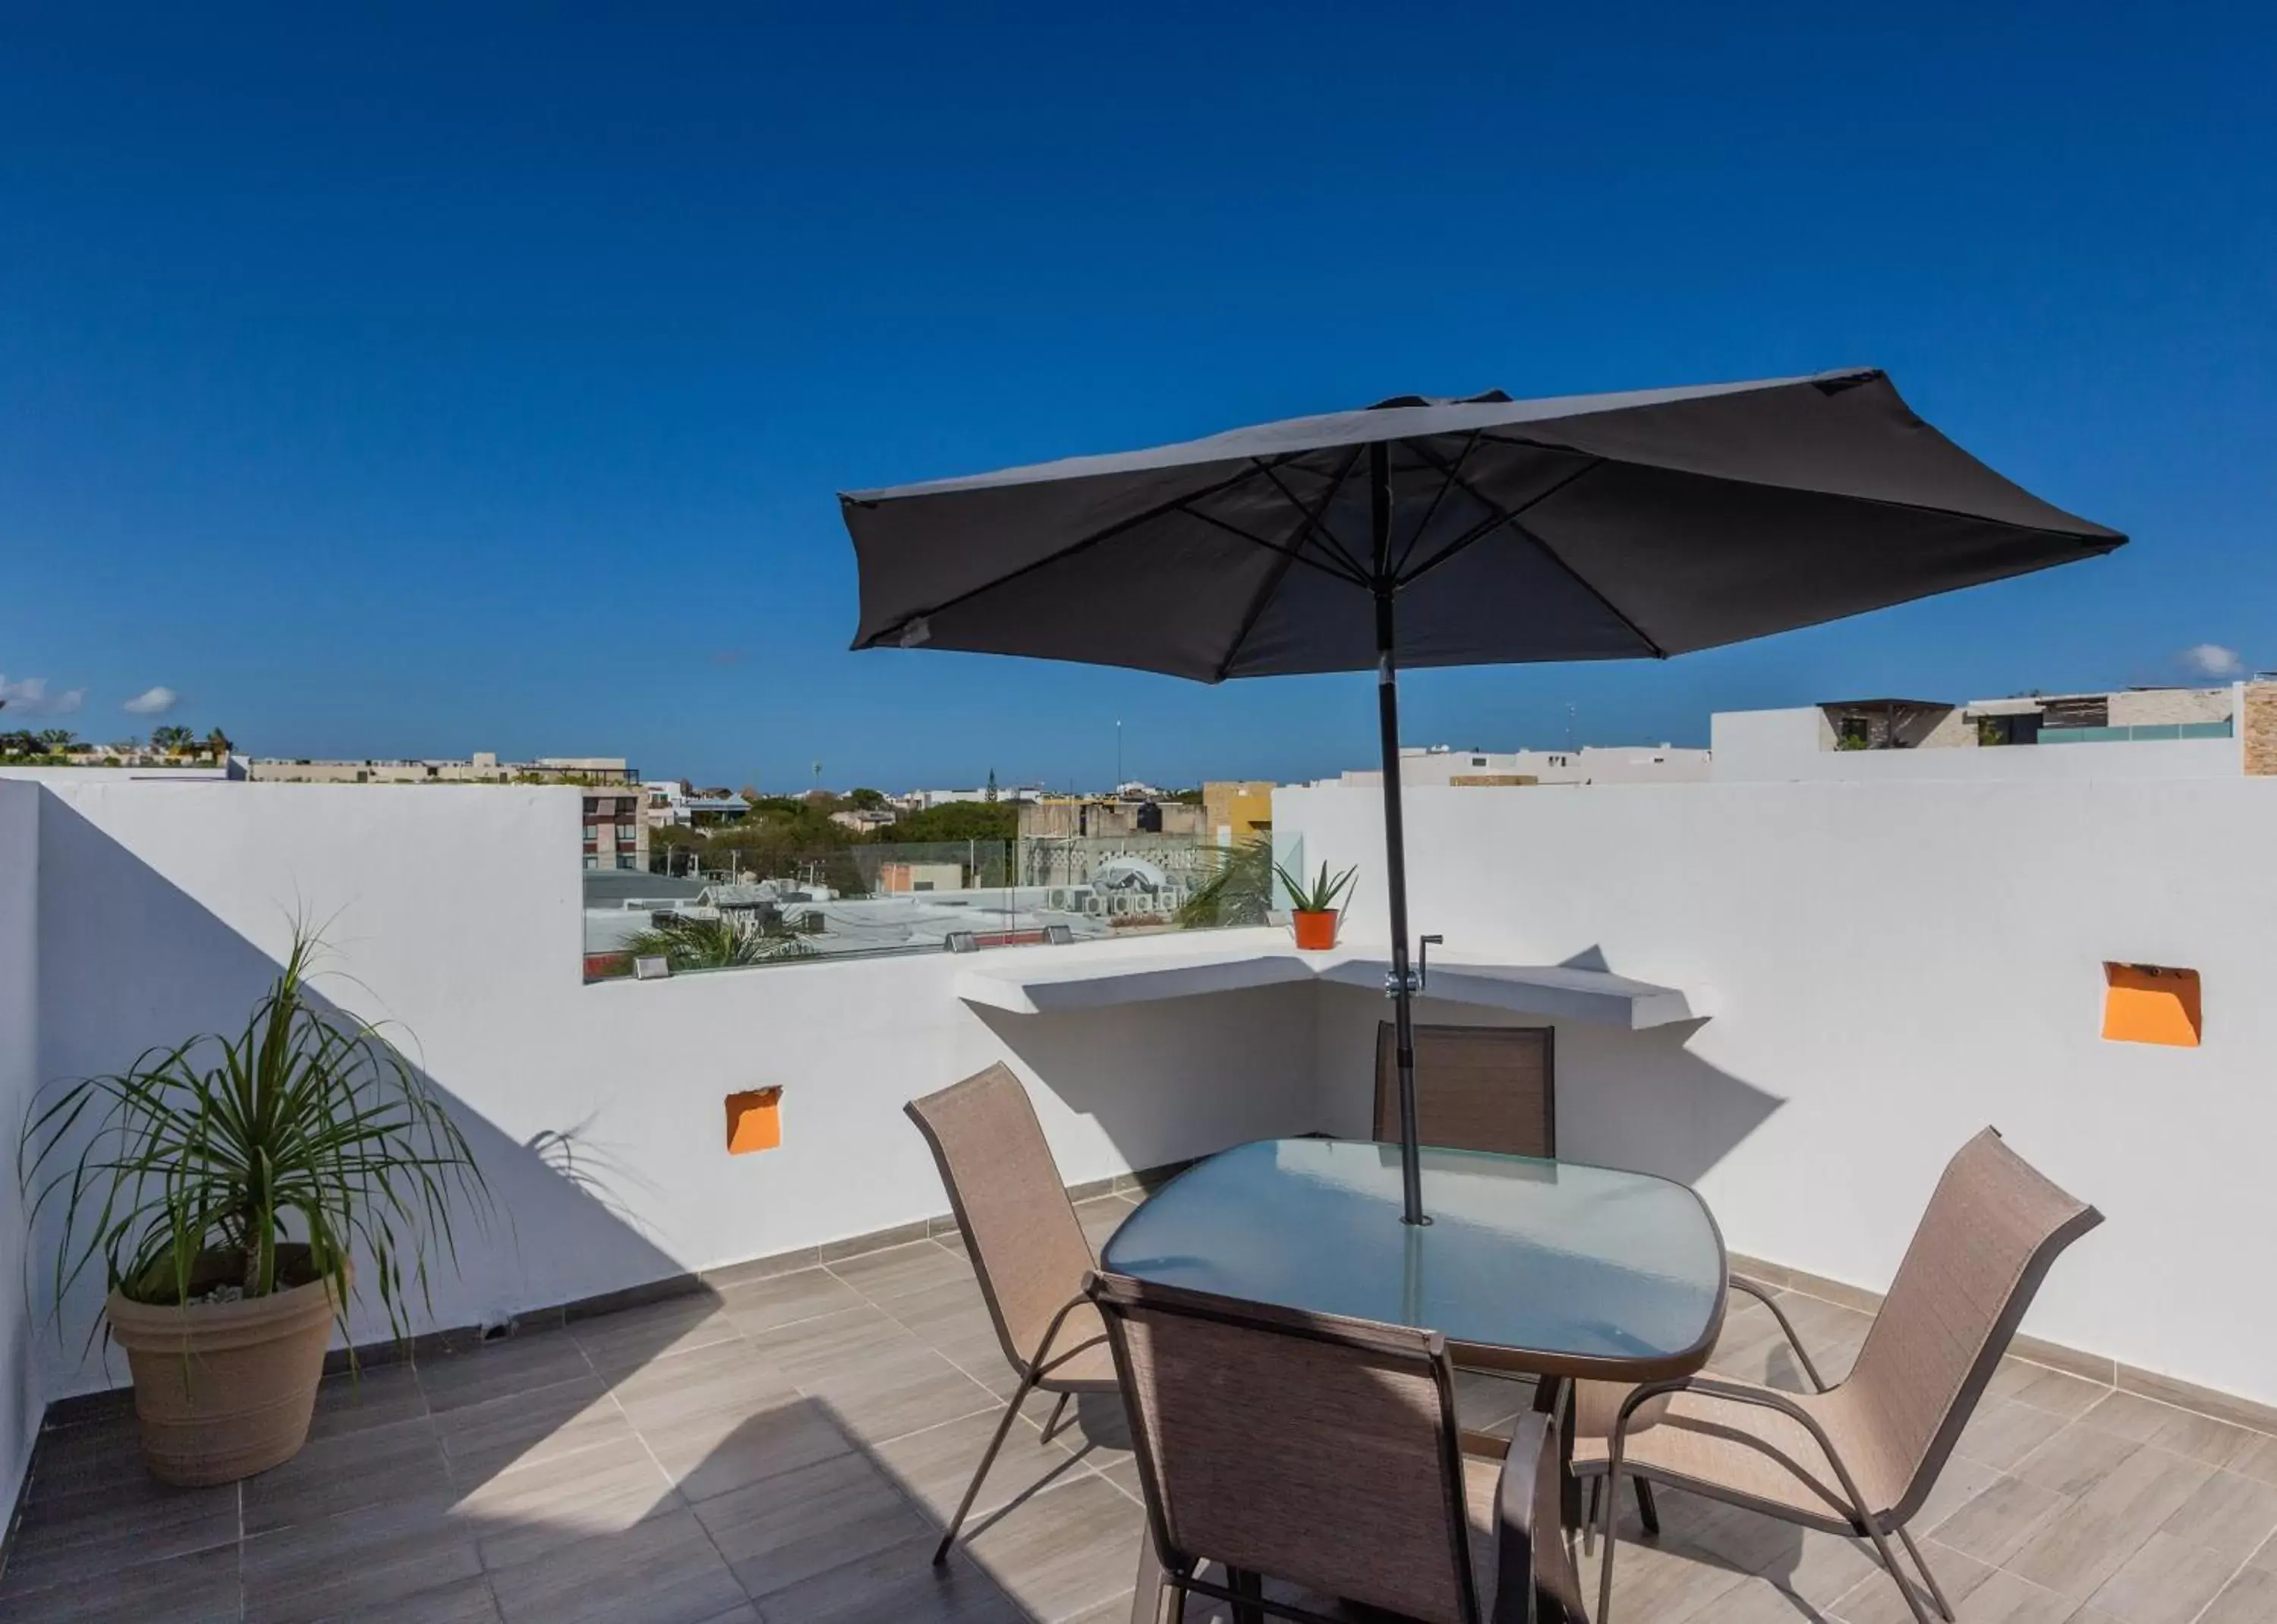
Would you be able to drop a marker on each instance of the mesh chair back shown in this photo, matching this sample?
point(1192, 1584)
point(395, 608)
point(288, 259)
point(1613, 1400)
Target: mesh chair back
point(1027, 1245)
point(1476, 1089)
point(1315, 1450)
point(1991, 1230)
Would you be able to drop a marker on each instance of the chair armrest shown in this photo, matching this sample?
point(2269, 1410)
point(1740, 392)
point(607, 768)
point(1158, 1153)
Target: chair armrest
point(1763, 1295)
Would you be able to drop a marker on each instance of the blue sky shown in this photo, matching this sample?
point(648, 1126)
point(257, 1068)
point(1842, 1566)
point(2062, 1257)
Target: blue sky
point(481, 378)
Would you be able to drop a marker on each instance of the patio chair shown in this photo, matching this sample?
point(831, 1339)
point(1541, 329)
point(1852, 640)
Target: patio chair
point(1476, 1089)
point(1859, 1457)
point(1323, 1453)
point(1028, 1249)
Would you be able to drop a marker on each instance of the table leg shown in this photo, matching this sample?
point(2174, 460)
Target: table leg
point(1554, 1396)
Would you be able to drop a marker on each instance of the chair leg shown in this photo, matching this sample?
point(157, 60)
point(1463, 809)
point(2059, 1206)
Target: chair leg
point(1906, 1587)
point(1647, 1513)
point(1251, 1588)
point(1053, 1426)
point(1936, 1590)
point(988, 1460)
point(1605, 1531)
point(1152, 1587)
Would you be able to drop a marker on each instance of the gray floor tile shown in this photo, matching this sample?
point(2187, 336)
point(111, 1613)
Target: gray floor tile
point(934, 1466)
point(499, 1369)
point(882, 1399)
point(595, 1495)
point(897, 1583)
point(897, 1270)
point(2179, 1432)
point(347, 1471)
point(723, 1377)
point(198, 1589)
point(462, 1601)
point(2091, 1540)
point(2001, 1432)
point(709, 1454)
point(789, 1528)
point(1065, 1551)
point(525, 1428)
point(617, 1343)
point(663, 1571)
point(2167, 1581)
point(2000, 1520)
point(827, 1343)
point(2249, 1598)
point(366, 1558)
point(375, 1396)
point(1875, 1598)
point(2230, 1515)
point(67, 1537)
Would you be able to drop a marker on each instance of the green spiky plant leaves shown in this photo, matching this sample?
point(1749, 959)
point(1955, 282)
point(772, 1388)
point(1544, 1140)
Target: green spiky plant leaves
point(309, 1126)
point(711, 945)
point(1323, 895)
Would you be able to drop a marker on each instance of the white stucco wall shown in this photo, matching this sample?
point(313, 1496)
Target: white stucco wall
point(21, 1384)
point(598, 1109)
point(1890, 966)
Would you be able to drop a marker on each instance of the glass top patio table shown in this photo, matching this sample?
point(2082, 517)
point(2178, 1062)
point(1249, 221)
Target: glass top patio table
point(1556, 1268)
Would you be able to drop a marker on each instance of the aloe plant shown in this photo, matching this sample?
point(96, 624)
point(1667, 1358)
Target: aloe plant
point(1323, 895)
point(309, 1126)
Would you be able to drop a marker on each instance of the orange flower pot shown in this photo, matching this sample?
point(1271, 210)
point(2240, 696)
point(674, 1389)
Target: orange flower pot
point(1316, 932)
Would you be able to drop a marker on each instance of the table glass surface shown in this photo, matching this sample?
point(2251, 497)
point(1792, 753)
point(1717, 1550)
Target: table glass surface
point(1559, 1259)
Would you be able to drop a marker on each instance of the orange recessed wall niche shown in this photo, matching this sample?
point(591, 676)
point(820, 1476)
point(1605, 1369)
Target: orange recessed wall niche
point(2152, 1004)
point(754, 1121)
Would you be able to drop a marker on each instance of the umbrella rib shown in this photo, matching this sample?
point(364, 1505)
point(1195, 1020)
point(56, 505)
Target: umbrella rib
point(1105, 533)
point(1432, 512)
point(1313, 525)
point(1510, 518)
point(1280, 570)
point(1293, 554)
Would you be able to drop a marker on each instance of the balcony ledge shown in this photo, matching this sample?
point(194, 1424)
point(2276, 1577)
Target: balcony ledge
point(1099, 975)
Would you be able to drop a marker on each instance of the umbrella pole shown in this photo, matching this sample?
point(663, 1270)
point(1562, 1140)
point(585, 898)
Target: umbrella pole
point(1400, 984)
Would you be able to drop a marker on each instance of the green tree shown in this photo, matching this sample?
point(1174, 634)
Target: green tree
point(171, 739)
point(955, 820)
point(866, 799)
point(57, 741)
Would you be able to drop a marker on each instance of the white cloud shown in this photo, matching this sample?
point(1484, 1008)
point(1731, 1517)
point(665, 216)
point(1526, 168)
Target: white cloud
point(30, 697)
point(2212, 660)
point(152, 702)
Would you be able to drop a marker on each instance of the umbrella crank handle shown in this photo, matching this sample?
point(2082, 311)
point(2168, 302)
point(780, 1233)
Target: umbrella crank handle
point(1419, 977)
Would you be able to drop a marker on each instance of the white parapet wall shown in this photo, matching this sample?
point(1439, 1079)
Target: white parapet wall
point(1890, 966)
point(1790, 746)
point(598, 1110)
point(22, 1387)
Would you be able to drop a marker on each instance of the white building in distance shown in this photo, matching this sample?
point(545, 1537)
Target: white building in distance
point(2121, 733)
point(1439, 766)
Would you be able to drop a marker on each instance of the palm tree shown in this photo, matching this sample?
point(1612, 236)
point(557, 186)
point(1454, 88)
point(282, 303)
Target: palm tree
point(711, 945)
point(171, 739)
point(1237, 893)
point(57, 741)
point(219, 743)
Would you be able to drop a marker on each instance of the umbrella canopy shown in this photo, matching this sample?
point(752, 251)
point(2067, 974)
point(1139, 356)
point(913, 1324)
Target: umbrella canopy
point(1599, 526)
point(1433, 532)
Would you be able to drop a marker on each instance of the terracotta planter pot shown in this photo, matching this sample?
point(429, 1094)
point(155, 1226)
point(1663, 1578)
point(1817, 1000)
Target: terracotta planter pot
point(1316, 932)
point(224, 1389)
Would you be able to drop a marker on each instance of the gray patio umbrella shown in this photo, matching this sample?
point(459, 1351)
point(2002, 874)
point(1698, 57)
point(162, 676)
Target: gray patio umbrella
point(1455, 532)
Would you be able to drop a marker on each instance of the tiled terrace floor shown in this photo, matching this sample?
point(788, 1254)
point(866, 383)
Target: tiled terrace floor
point(785, 1451)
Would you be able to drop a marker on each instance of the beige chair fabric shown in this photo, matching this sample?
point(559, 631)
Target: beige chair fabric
point(1323, 1453)
point(1028, 1249)
point(1027, 1246)
point(1992, 1229)
point(1476, 1089)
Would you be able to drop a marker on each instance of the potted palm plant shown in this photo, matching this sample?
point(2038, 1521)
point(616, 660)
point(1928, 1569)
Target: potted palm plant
point(1312, 908)
point(223, 1184)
